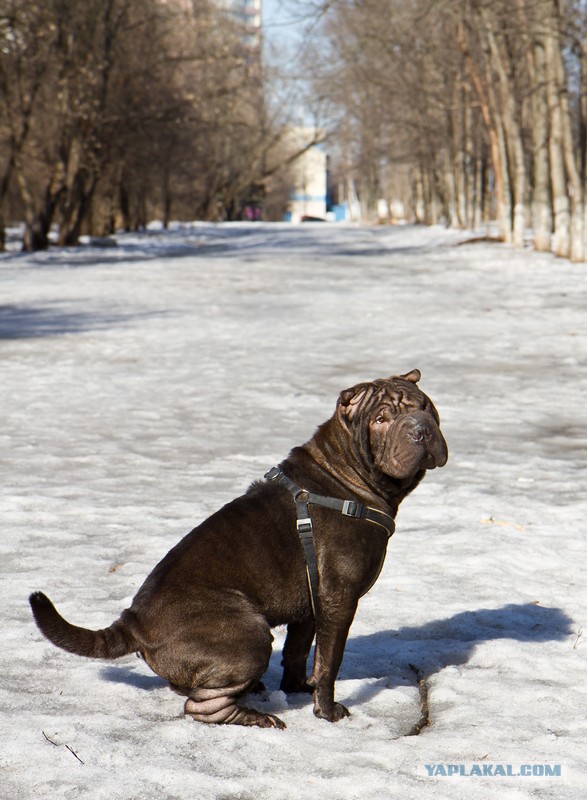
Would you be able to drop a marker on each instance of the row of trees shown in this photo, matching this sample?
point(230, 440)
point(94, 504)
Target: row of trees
point(469, 110)
point(114, 112)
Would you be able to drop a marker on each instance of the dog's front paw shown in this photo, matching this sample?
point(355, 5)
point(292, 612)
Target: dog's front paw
point(333, 712)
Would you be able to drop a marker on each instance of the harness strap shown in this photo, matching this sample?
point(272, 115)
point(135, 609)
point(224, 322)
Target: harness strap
point(305, 528)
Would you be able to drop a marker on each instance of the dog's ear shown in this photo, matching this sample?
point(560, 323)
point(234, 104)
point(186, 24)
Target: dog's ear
point(349, 401)
point(413, 376)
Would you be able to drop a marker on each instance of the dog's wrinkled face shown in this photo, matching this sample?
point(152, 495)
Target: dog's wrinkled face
point(397, 422)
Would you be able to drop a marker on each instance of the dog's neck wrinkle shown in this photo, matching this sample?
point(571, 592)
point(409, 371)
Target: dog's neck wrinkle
point(321, 456)
point(349, 481)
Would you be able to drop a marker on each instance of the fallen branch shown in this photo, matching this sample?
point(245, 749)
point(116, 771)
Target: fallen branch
point(424, 720)
point(71, 750)
point(482, 240)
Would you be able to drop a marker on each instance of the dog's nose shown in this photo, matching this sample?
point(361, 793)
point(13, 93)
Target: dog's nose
point(420, 432)
point(425, 432)
point(422, 427)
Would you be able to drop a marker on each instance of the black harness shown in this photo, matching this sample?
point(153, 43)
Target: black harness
point(350, 508)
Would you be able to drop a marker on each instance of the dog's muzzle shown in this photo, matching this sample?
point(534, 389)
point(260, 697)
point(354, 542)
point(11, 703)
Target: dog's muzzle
point(413, 443)
point(422, 431)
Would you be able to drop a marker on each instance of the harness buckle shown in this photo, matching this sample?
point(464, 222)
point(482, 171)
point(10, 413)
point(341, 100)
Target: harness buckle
point(350, 508)
point(304, 526)
point(273, 473)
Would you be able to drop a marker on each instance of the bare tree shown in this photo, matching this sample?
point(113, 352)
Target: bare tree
point(484, 102)
point(119, 111)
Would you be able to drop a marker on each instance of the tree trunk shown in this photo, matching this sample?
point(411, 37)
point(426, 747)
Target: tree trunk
point(583, 131)
point(167, 199)
point(70, 231)
point(451, 190)
point(458, 159)
point(4, 187)
point(468, 163)
point(558, 77)
point(497, 145)
point(541, 201)
point(504, 219)
point(38, 219)
point(38, 226)
point(561, 240)
point(531, 22)
point(513, 137)
point(419, 203)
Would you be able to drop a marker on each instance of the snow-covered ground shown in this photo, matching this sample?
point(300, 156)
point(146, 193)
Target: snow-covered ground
point(145, 385)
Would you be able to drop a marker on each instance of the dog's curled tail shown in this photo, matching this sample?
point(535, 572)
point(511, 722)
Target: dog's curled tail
point(112, 642)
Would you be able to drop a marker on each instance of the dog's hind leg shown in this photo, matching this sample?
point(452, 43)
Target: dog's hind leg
point(220, 706)
point(223, 658)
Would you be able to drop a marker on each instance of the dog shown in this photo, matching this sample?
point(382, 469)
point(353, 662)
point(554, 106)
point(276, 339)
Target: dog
point(298, 549)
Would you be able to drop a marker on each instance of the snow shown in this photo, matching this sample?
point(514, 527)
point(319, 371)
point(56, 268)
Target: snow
point(146, 384)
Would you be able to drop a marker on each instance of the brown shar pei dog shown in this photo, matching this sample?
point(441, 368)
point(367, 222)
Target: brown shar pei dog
point(202, 619)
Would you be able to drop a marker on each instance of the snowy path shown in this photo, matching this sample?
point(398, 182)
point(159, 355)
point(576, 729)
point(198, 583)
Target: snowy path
point(145, 385)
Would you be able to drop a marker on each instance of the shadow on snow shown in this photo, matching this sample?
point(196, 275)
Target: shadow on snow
point(219, 241)
point(27, 322)
point(386, 656)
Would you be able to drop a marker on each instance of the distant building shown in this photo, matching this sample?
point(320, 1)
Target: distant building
point(309, 173)
point(247, 14)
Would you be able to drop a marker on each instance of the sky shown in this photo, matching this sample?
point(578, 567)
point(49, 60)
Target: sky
point(283, 25)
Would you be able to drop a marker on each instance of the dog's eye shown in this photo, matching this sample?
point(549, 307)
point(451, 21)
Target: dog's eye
point(380, 419)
